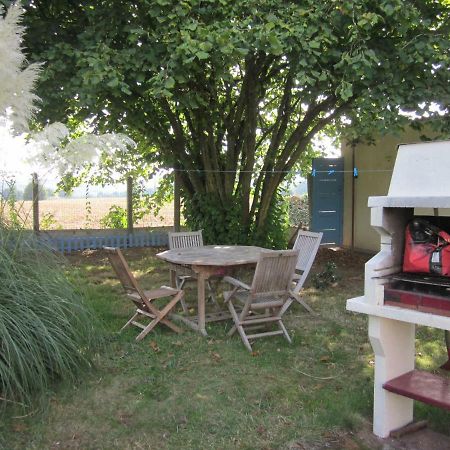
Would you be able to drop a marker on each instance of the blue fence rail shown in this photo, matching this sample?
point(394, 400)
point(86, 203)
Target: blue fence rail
point(68, 244)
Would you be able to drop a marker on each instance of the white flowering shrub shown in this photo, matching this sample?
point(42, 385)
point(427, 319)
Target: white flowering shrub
point(17, 80)
point(53, 148)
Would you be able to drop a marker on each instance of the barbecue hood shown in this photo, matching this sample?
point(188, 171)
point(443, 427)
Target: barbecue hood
point(420, 178)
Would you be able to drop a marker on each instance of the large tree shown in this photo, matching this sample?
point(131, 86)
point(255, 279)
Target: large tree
point(231, 93)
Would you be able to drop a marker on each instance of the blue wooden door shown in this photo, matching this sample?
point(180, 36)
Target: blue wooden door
point(327, 198)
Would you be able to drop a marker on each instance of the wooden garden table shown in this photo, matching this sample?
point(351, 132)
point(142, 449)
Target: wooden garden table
point(207, 261)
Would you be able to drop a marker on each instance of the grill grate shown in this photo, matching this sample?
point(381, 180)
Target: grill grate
point(419, 278)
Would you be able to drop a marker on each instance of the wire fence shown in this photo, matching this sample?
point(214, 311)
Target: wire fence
point(39, 206)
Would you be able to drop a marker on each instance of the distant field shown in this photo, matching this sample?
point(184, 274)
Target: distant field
point(73, 213)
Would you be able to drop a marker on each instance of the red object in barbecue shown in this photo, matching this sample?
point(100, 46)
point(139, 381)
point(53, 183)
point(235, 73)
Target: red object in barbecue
point(427, 249)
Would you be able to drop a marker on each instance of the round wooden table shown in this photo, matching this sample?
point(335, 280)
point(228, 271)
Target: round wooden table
point(207, 261)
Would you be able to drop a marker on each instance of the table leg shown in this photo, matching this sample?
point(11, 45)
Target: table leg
point(173, 278)
point(201, 278)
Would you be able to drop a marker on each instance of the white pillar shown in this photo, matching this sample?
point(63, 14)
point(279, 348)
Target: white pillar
point(394, 345)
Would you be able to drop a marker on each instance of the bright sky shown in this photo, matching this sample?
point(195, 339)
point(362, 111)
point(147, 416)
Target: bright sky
point(13, 153)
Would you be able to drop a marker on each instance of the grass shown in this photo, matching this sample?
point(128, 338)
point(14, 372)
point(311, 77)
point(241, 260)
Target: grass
point(189, 392)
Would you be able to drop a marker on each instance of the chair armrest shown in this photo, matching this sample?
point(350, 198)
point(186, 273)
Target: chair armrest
point(236, 282)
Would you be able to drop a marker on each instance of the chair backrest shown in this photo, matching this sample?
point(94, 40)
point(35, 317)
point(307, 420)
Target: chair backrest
point(185, 239)
point(307, 243)
point(274, 272)
point(123, 272)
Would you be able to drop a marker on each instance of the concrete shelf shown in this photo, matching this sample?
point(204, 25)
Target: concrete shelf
point(360, 305)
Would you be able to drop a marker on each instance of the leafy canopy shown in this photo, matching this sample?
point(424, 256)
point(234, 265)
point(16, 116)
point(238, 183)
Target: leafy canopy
point(232, 93)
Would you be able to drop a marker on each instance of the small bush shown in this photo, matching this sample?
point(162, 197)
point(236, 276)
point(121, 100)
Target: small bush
point(115, 218)
point(299, 211)
point(328, 277)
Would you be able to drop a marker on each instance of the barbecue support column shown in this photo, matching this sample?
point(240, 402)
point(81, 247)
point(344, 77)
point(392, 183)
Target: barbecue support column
point(394, 345)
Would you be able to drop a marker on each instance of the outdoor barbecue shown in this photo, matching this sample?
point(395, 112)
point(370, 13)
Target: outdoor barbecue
point(407, 282)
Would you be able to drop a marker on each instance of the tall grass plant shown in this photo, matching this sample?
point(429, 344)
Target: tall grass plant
point(46, 331)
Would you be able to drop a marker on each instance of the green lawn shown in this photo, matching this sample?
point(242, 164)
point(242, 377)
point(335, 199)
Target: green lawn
point(189, 392)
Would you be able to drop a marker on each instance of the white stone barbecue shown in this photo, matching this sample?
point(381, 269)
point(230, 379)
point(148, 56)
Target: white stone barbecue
point(420, 180)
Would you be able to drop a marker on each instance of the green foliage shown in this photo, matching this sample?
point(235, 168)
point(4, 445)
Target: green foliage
point(222, 226)
point(233, 93)
point(274, 233)
point(327, 278)
point(48, 222)
point(115, 218)
point(9, 212)
point(46, 330)
point(205, 212)
point(298, 211)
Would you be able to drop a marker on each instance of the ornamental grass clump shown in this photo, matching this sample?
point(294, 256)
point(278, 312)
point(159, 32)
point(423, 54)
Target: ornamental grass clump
point(46, 331)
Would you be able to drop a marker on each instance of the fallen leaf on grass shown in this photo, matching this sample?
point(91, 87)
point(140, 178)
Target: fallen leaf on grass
point(154, 346)
point(324, 358)
point(182, 421)
point(215, 356)
point(350, 444)
point(297, 446)
point(257, 353)
point(203, 397)
point(261, 430)
point(178, 343)
point(124, 419)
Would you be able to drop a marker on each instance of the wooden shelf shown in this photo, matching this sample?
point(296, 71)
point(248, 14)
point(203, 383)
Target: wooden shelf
point(422, 386)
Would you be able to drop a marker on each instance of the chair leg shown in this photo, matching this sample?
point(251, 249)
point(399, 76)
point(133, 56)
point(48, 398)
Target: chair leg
point(129, 322)
point(161, 318)
point(305, 305)
point(285, 332)
point(180, 284)
point(242, 314)
point(212, 294)
point(239, 328)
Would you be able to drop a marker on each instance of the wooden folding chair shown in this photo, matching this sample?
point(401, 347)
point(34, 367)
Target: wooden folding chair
point(307, 243)
point(269, 292)
point(188, 239)
point(145, 309)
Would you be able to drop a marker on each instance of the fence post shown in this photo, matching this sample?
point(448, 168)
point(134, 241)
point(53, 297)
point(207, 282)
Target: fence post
point(176, 202)
point(130, 205)
point(35, 201)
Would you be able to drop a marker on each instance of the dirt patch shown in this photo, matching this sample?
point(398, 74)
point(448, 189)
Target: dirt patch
point(343, 258)
point(420, 440)
point(364, 439)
